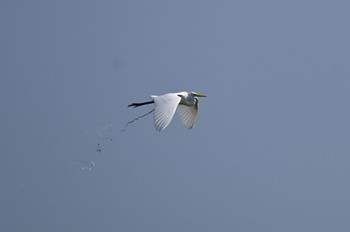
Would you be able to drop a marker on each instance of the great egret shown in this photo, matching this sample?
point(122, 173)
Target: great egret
point(186, 103)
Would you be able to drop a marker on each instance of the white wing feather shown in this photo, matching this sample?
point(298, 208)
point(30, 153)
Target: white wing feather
point(188, 115)
point(165, 107)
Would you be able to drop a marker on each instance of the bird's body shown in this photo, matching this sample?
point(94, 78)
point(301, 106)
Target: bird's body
point(186, 103)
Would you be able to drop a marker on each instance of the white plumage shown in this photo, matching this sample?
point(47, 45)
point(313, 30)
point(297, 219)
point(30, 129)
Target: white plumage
point(166, 105)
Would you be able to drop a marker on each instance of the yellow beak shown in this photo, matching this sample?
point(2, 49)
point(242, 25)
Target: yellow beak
point(199, 95)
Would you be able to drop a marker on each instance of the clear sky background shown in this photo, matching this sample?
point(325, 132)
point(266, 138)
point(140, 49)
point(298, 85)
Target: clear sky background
point(271, 150)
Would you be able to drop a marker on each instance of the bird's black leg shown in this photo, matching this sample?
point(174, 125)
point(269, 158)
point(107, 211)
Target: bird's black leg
point(140, 104)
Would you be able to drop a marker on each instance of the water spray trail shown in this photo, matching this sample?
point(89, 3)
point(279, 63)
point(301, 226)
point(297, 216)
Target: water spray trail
point(135, 119)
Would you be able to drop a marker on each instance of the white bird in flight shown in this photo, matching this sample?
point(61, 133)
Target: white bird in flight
point(186, 103)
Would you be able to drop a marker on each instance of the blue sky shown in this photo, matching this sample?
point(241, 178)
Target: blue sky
point(270, 151)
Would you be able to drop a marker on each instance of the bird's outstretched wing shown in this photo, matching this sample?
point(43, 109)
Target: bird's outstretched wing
point(165, 107)
point(188, 115)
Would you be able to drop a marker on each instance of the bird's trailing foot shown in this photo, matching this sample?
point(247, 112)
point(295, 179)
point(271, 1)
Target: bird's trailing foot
point(140, 104)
